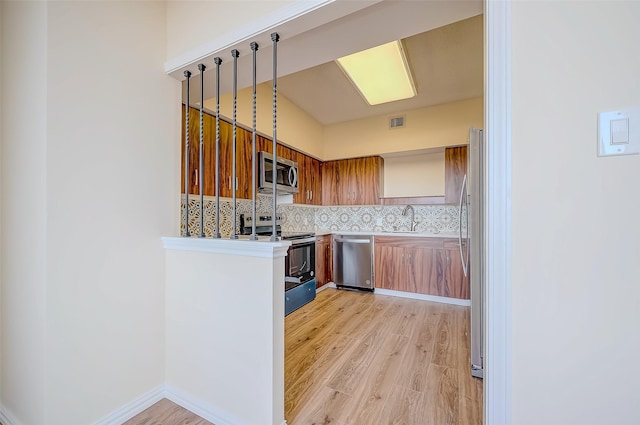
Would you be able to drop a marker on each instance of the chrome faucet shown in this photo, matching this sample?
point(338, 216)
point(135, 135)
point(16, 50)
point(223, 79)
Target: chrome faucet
point(414, 223)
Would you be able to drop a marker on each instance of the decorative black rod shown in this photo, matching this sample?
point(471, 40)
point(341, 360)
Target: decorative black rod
point(201, 68)
point(275, 37)
point(234, 53)
point(218, 62)
point(187, 74)
point(254, 164)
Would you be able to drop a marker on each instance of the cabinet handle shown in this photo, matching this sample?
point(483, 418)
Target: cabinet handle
point(196, 176)
point(402, 260)
point(409, 259)
point(231, 183)
point(311, 195)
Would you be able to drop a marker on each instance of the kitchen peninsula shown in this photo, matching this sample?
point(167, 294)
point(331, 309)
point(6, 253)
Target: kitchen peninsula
point(226, 293)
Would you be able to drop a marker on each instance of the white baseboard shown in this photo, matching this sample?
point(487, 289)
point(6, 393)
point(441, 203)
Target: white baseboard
point(325, 286)
point(132, 408)
point(413, 295)
point(6, 418)
point(199, 407)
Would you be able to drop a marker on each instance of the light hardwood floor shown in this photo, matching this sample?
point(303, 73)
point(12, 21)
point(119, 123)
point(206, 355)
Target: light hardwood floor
point(166, 412)
point(355, 358)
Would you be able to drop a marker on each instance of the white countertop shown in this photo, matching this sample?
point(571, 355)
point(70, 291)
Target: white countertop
point(406, 234)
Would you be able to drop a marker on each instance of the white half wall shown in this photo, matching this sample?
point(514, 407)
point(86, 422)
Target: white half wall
point(575, 231)
point(225, 329)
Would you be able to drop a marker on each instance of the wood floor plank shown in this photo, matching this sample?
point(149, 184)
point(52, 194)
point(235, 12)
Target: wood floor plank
point(418, 356)
point(404, 407)
point(370, 397)
point(354, 369)
point(381, 360)
point(325, 408)
point(441, 396)
point(166, 412)
point(446, 344)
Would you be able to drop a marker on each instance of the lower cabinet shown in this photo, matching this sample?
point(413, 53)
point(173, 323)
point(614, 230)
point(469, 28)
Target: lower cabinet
point(428, 266)
point(324, 260)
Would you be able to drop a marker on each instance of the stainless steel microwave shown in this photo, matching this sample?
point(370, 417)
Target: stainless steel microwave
point(286, 174)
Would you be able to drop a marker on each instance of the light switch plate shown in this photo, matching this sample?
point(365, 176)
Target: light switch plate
point(619, 132)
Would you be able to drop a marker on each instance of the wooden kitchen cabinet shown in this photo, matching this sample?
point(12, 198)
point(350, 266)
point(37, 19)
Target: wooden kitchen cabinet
point(309, 169)
point(353, 181)
point(309, 180)
point(455, 168)
point(428, 266)
point(243, 156)
point(194, 152)
point(324, 260)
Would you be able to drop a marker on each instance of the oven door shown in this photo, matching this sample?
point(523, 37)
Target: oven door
point(300, 262)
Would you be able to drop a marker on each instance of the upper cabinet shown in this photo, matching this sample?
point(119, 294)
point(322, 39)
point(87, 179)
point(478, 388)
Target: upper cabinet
point(310, 182)
point(455, 168)
point(353, 181)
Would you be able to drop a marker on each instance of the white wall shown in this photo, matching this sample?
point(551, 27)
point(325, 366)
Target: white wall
point(24, 221)
point(296, 128)
point(575, 233)
point(90, 183)
point(437, 126)
point(193, 23)
point(414, 174)
point(112, 191)
point(1, 138)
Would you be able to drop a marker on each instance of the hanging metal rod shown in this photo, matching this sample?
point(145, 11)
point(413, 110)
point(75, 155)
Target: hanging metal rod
point(187, 74)
point(275, 37)
point(234, 53)
point(201, 68)
point(218, 62)
point(254, 165)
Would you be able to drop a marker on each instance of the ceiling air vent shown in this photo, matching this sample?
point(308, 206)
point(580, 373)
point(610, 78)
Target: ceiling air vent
point(396, 122)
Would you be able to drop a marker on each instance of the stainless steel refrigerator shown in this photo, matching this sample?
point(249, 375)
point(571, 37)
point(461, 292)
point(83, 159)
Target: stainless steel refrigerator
point(472, 242)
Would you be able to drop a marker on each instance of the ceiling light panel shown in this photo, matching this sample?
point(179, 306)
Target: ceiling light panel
point(381, 74)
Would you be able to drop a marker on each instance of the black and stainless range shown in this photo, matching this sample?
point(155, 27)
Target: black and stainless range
point(299, 264)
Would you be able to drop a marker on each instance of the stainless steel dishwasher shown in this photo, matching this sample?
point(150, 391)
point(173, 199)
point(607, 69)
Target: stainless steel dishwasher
point(353, 261)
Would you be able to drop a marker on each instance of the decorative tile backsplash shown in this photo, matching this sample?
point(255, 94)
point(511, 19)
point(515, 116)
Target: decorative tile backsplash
point(299, 218)
point(381, 218)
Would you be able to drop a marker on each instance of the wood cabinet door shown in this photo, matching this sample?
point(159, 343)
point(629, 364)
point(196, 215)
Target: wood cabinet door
point(310, 176)
point(353, 181)
point(194, 151)
point(389, 267)
point(455, 168)
point(316, 182)
point(243, 163)
point(304, 179)
point(368, 184)
point(456, 282)
point(324, 260)
point(331, 181)
point(424, 269)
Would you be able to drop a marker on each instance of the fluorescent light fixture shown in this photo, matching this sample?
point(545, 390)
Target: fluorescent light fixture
point(381, 74)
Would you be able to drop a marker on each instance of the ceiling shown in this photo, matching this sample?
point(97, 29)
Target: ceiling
point(443, 41)
point(446, 64)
